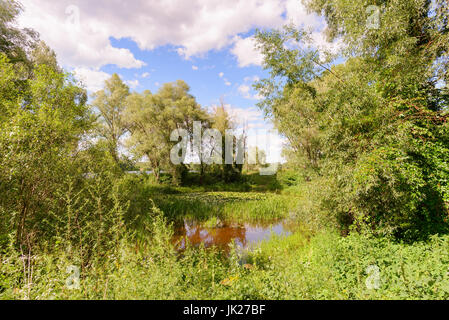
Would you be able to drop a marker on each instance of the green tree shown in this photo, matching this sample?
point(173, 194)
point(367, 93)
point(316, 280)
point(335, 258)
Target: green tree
point(222, 121)
point(44, 55)
point(111, 103)
point(152, 118)
point(256, 159)
point(146, 139)
point(38, 140)
point(375, 125)
point(15, 43)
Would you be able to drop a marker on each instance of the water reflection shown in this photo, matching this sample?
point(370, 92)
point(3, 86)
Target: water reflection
point(245, 235)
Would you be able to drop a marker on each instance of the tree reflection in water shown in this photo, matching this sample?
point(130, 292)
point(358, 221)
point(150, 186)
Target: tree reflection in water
point(223, 235)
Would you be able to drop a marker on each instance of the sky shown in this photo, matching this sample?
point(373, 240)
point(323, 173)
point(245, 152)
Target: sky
point(207, 43)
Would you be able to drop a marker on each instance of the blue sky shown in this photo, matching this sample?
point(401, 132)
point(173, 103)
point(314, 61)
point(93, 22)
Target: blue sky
point(211, 77)
point(207, 43)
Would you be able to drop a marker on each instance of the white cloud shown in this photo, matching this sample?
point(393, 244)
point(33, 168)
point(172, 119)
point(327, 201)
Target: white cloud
point(319, 41)
point(93, 80)
point(297, 14)
point(84, 45)
point(195, 27)
point(258, 96)
point(244, 49)
point(81, 35)
point(244, 91)
point(145, 75)
point(246, 52)
point(133, 84)
point(226, 81)
point(194, 68)
point(246, 115)
point(243, 116)
point(257, 125)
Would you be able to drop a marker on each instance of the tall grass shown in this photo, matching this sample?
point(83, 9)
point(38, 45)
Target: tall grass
point(228, 206)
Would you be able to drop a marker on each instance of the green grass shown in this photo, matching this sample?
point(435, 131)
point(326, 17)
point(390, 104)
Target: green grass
point(226, 205)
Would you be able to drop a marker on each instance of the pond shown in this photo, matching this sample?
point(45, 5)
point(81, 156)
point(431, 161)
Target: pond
point(221, 234)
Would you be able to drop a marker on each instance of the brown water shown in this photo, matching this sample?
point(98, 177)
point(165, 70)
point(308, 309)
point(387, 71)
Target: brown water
point(244, 234)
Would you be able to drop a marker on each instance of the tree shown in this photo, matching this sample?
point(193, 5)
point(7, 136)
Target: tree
point(44, 55)
point(409, 46)
point(222, 121)
point(146, 139)
point(256, 159)
point(38, 142)
point(152, 118)
point(292, 73)
point(111, 103)
point(15, 43)
point(375, 125)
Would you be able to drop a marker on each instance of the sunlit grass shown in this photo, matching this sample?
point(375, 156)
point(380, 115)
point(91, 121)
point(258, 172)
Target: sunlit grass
point(227, 206)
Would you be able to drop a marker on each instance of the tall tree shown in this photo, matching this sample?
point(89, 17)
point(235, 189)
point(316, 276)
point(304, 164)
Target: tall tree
point(152, 118)
point(38, 143)
point(111, 103)
point(42, 54)
point(375, 125)
point(147, 138)
point(222, 121)
point(15, 43)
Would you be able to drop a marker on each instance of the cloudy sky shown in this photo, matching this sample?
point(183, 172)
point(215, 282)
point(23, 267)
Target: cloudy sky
point(207, 43)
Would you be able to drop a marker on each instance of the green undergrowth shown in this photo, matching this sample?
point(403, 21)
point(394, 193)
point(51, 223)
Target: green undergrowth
point(301, 266)
point(314, 262)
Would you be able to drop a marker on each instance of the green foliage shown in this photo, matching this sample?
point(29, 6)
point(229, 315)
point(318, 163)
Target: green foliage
point(222, 121)
point(44, 55)
point(14, 42)
point(340, 265)
point(325, 266)
point(151, 118)
point(43, 129)
point(374, 126)
point(368, 152)
point(290, 178)
point(110, 103)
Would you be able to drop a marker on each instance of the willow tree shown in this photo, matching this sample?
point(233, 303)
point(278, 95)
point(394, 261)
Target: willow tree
point(222, 121)
point(146, 140)
point(111, 103)
point(151, 119)
point(376, 124)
